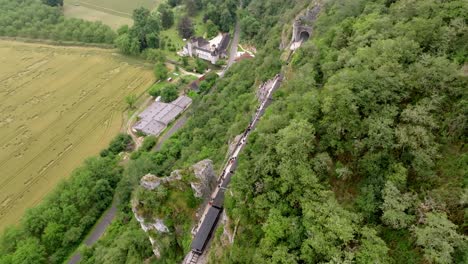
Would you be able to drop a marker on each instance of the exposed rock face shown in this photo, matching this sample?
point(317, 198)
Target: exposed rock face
point(151, 182)
point(202, 186)
point(157, 225)
point(206, 178)
point(228, 235)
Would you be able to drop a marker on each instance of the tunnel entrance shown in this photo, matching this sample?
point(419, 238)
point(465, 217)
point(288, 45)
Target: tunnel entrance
point(304, 36)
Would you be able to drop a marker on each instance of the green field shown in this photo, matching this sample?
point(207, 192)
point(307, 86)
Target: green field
point(59, 106)
point(114, 13)
point(115, 7)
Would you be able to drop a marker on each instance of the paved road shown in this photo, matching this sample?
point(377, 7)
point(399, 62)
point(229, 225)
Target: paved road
point(178, 124)
point(233, 49)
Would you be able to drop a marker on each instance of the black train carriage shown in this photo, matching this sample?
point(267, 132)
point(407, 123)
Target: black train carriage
point(218, 200)
point(205, 230)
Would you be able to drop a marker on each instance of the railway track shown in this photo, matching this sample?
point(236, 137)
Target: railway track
point(214, 208)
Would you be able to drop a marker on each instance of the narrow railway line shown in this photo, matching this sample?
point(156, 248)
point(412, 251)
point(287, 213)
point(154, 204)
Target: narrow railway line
point(214, 208)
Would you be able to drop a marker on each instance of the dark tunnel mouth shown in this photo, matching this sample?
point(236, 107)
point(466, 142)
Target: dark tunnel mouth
point(304, 36)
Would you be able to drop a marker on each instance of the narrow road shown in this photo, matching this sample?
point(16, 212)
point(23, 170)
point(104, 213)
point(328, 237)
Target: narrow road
point(178, 124)
point(233, 49)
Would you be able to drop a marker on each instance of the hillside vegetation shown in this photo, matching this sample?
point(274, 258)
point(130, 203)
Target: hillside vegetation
point(362, 157)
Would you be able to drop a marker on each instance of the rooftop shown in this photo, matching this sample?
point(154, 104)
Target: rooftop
point(155, 118)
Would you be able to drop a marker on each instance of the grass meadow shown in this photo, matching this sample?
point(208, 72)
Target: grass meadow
point(114, 13)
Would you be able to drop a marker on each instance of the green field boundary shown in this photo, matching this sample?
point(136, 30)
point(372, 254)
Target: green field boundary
point(105, 9)
point(59, 42)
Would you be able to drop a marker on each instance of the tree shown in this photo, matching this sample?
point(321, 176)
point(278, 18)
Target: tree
point(185, 61)
point(52, 237)
point(145, 23)
point(395, 207)
point(127, 45)
point(131, 100)
point(160, 71)
point(438, 237)
point(211, 29)
point(200, 65)
point(122, 142)
point(29, 251)
point(373, 249)
point(185, 27)
point(191, 7)
point(169, 93)
point(167, 16)
point(174, 3)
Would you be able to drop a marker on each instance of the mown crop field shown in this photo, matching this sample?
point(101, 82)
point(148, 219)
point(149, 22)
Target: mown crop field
point(59, 105)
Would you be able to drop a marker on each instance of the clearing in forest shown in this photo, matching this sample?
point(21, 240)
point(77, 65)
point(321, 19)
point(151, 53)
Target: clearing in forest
point(114, 13)
point(59, 105)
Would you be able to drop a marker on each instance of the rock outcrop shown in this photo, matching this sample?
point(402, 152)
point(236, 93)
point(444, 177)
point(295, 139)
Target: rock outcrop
point(157, 225)
point(151, 182)
point(206, 178)
point(202, 185)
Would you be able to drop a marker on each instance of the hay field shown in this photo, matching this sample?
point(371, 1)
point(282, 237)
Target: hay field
point(58, 106)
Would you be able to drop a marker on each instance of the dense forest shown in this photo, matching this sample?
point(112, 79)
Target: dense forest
point(361, 158)
point(38, 20)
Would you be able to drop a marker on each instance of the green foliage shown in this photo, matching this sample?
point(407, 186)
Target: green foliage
point(51, 230)
point(169, 93)
point(438, 237)
point(200, 65)
point(208, 82)
point(122, 142)
point(211, 29)
point(160, 71)
point(33, 19)
point(131, 100)
point(394, 206)
point(146, 27)
point(155, 89)
point(221, 13)
point(124, 242)
point(127, 45)
point(167, 16)
point(185, 27)
point(365, 104)
point(148, 143)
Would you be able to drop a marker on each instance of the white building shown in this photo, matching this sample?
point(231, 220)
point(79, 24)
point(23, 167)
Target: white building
point(211, 51)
